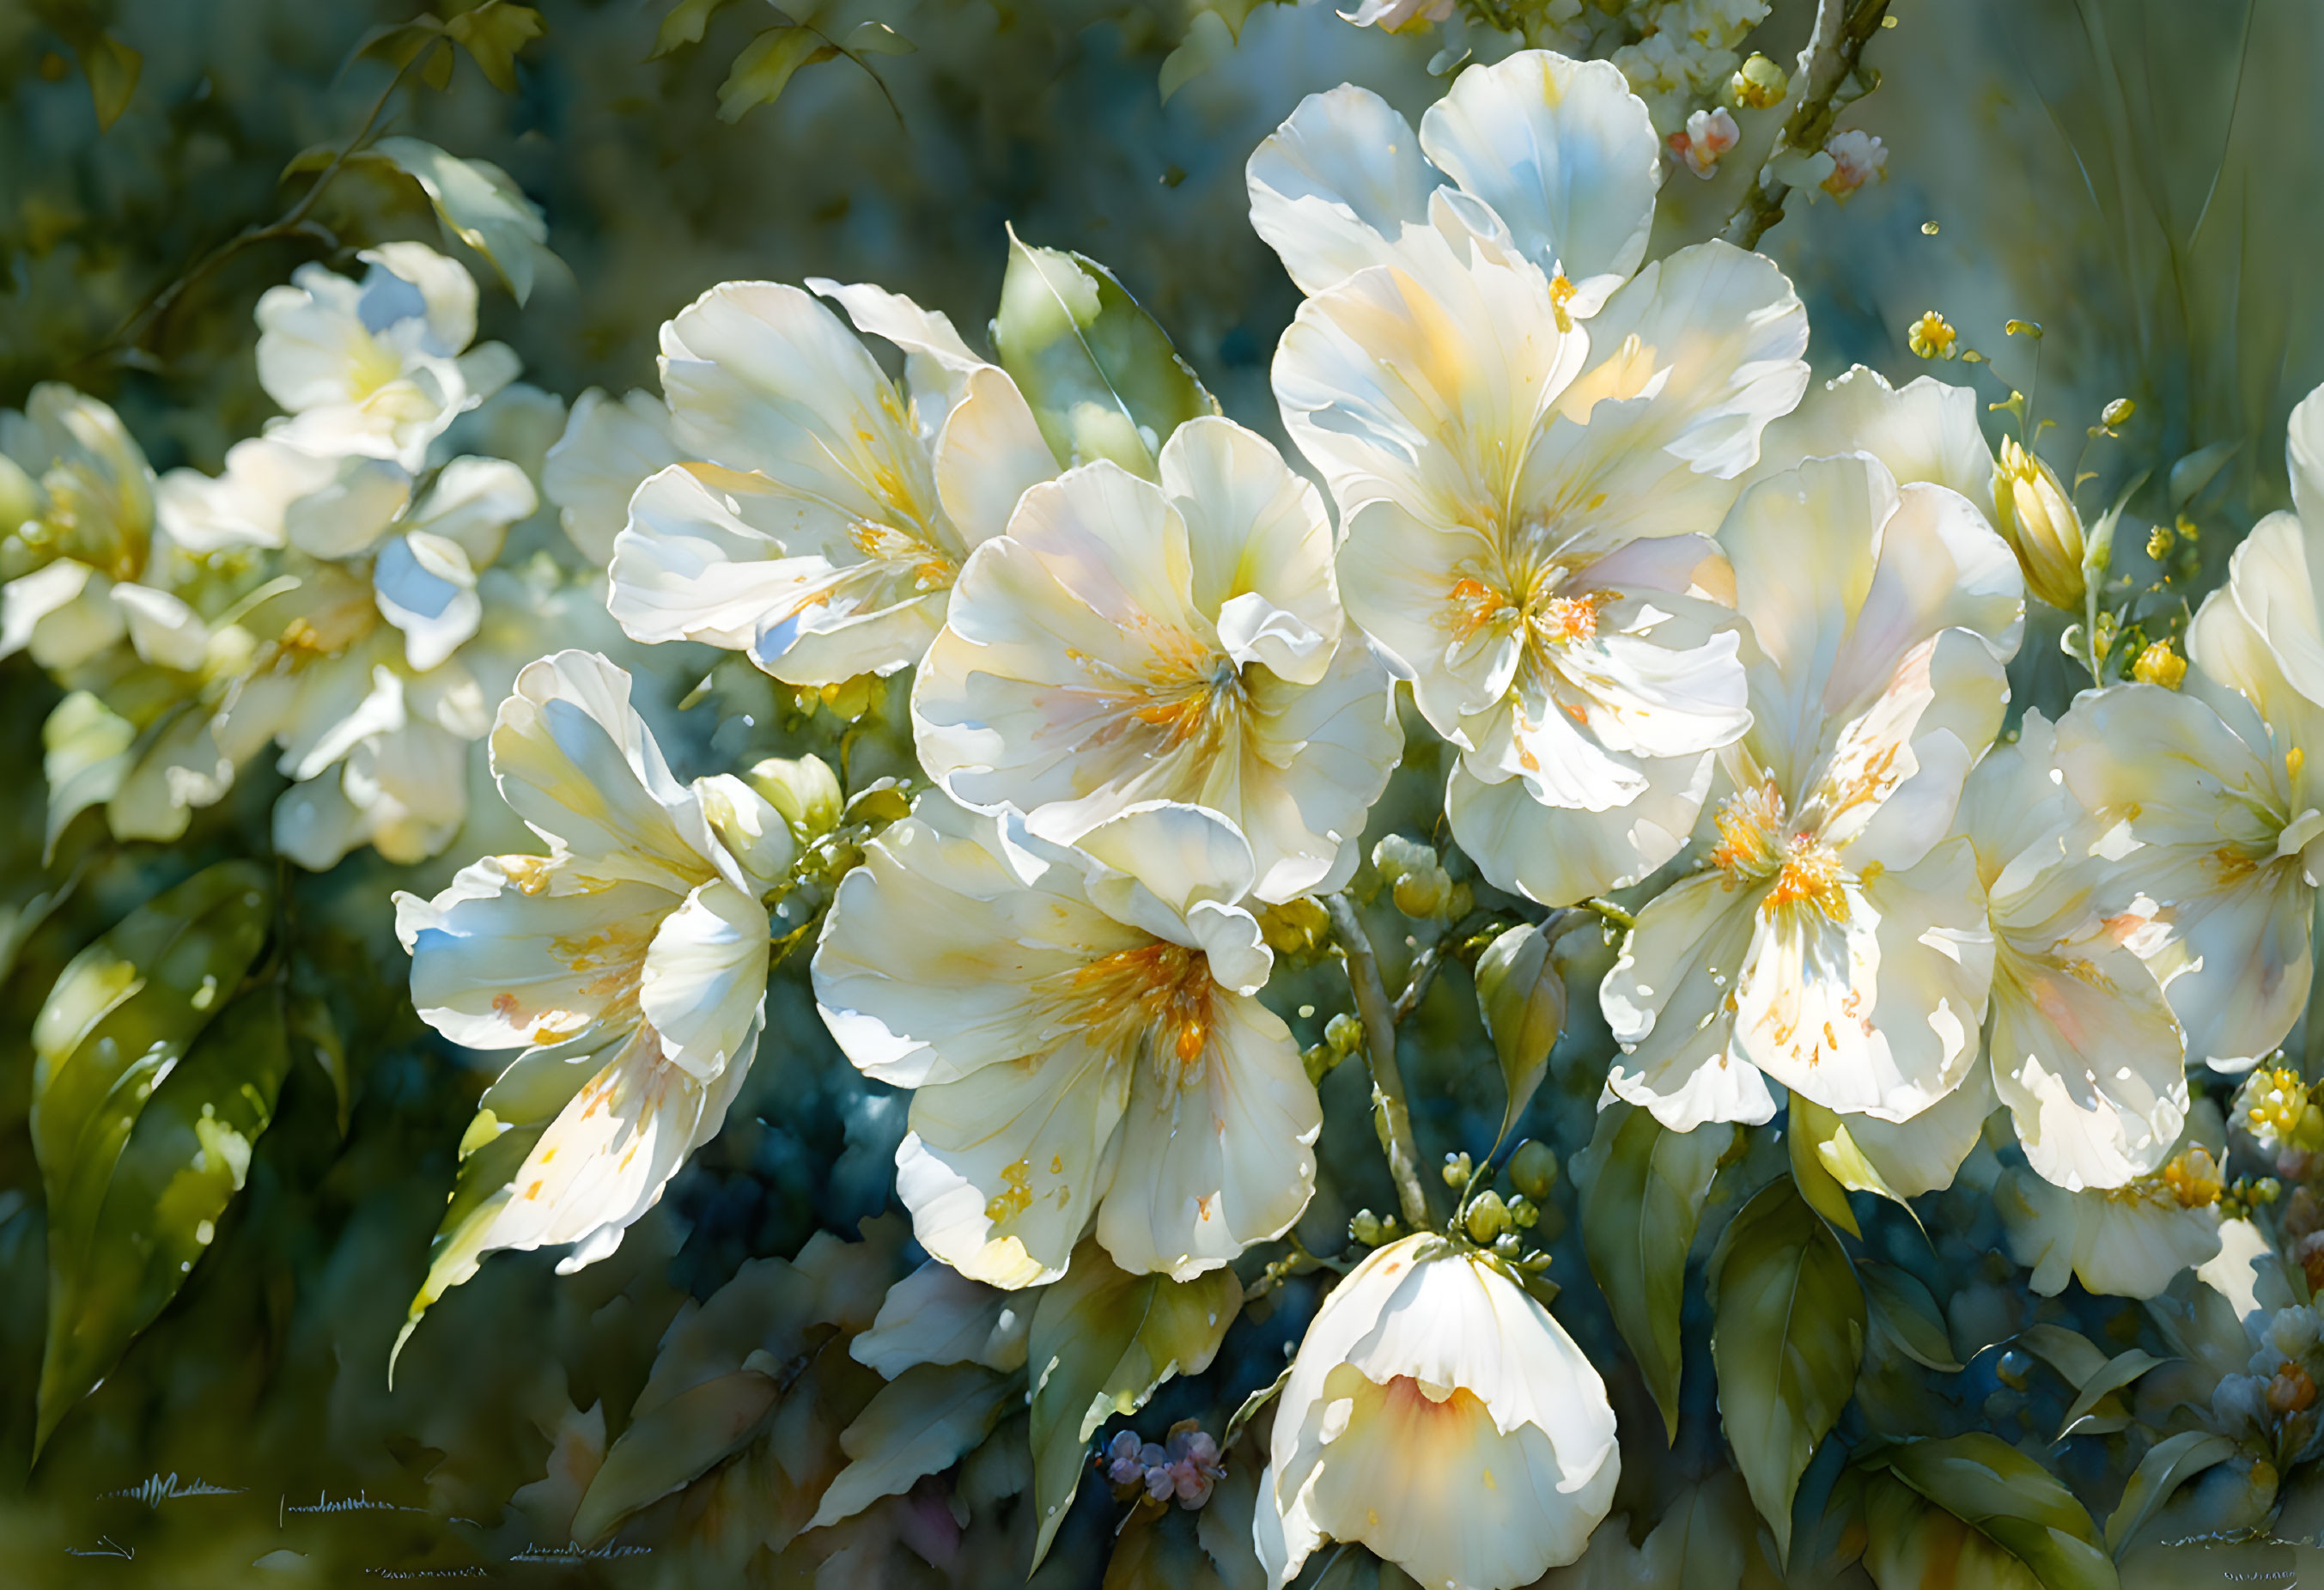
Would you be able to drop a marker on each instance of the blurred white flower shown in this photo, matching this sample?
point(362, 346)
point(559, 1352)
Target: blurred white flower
point(1398, 16)
point(2127, 1241)
point(1126, 642)
point(2086, 1052)
point(629, 965)
point(609, 448)
point(1439, 1416)
point(1081, 1029)
point(379, 368)
point(1526, 494)
point(824, 535)
point(1857, 158)
point(1708, 134)
point(1838, 941)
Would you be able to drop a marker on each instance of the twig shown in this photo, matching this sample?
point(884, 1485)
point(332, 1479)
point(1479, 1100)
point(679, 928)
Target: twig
point(1390, 1115)
point(148, 318)
point(1835, 44)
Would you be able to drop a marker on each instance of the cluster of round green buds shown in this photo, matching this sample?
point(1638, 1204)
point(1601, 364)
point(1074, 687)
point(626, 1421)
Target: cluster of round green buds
point(1371, 1230)
point(1343, 1035)
point(2277, 1109)
point(2247, 1193)
point(1457, 1172)
point(847, 701)
point(1423, 889)
point(1533, 1169)
point(1487, 1219)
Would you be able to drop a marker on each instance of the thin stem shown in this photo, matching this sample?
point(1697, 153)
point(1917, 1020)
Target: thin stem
point(2311, 1059)
point(1390, 1113)
point(1835, 45)
point(148, 318)
point(1612, 913)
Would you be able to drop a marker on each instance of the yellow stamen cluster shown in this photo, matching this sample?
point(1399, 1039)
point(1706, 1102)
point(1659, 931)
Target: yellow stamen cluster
point(2193, 1178)
point(1932, 336)
point(2159, 665)
point(2275, 1107)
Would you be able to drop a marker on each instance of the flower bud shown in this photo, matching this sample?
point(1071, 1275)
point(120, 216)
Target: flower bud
point(1533, 1169)
point(2038, 520)
point(1365, 1227)
point(1487, 1219)
point(1294, 927)
point(2117, 412)
point(1522, 1211)
point(879, 803)
point(1757, 83)
point(1344, 1034)
point(1457, 1172)
point(806, 792)
point(1521, 994)
point(2159, 665)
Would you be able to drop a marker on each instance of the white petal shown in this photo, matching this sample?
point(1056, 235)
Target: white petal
point(1668, 1001)
point(1558, 855)
point(425, 586)
point(1336, 183)
point(609, 448)
point(1924, 431)
point(704, 981)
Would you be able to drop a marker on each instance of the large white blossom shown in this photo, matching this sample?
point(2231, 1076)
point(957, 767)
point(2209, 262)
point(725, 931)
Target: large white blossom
point(1531, 446)
point(609, 448)
point(1128, 641)
point(2128, 1241)
point(1080, 1027)
point(1838, 943)
point(2086, 1052)
point(629, 965)
point(1439, 1415)
point(835, 510)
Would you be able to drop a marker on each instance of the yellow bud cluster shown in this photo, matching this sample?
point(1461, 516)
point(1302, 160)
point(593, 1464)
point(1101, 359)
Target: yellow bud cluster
point(1932, 336)
point(2193, 1178)
point(2275, 1107)
point(2159, 665)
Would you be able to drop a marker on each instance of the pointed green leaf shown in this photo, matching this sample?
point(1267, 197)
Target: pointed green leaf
point(115, 1044)
point(684, 26)
point(919, 1423)
point(2197, 470)
point(1811, 1128)
point(1102, 378)
point(877, 38)
point(1642, 1190)
point(2002, 1494)
point(480, 204)
point(1101, 1341)
point(1905, 1313)
point(112, 69)
point(763, 70)
point(491, 35)
point(1787, 1338)
point(2167, 1466)
point(2118, 1373)
point(675, 1444)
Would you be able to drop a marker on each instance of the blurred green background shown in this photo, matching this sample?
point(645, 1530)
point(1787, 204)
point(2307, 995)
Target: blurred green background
point(2141, 179)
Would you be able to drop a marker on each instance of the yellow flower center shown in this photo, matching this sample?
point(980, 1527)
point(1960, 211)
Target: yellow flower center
point(1756, 846)
point(1155, 999)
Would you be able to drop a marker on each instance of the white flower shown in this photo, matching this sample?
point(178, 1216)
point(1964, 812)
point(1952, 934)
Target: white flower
point(1439, 1415)
point(1856, 157)
point(2126, 1242)
point(1081, 1029)
point(77, 516)
point(1527, 495)
point(1708, 134)
point(825, 534)
point(1126, 642)
point(1924, 431)
point(629, 965)
point(381, 367)
point(1838, 941)
point(608, 450)
point(1397, 16)
point(2085, 1050)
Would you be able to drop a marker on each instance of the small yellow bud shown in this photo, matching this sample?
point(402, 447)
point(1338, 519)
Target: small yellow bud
point(1758, 83)
point(806, 792)
point(1931, 337)
point(1344, 1034)
point(1457, 1172)
point(2159, 665)
point(2159, 543)
point(2023, 329)
point(2038, 520)
point(2117, 412)
point(1294, 927)
point(1488, 1218)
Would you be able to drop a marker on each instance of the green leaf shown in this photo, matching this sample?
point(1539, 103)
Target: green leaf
point(675, 1443)
point(1252, 1405)
point(877, 38)
point(1787, 1336)
point(399, 43)
point(2071, 1353)
point(1642, 1190)
point(1907, 1315)
point(112, 69)
point(2197, 470)
point(1811, 1128)
point(684, 26)
point(1209, 41)
point(1521, 995)
point(1101, 1342)
point(480, 204)
point(2005, 1496)
point(919, 1423)
point(491, 35)
point(1102, 378)
point(1159, 1548)
point(2167, 1466)
point(88, 750)
point(763, 70)
point(113, 1045)
point(314, 1035)
point(2117, 1372)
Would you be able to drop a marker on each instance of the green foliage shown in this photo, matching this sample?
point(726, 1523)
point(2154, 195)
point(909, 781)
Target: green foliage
point(1521, 994)
point(150, 1081)
point(763, 70)
point(920, 1423)
point(1102, 378)
point(1101, 1342)
point(479, 203)
point(1787, 1338)
point(1979, 1482)
point(1901, 1307)
point(1642, 1192)
point(2168, 1465)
